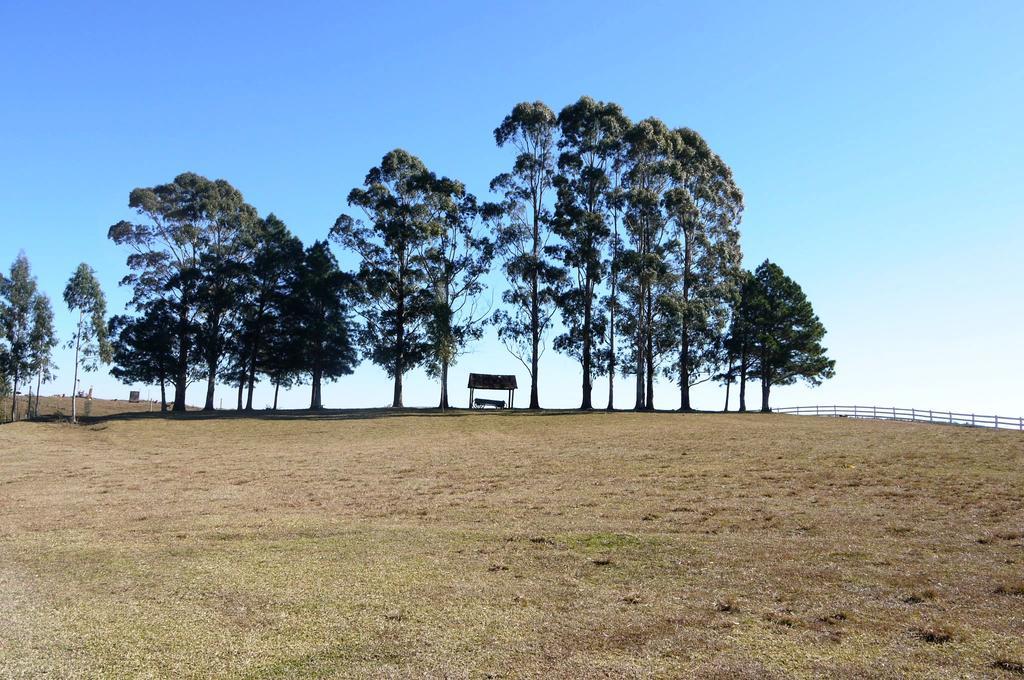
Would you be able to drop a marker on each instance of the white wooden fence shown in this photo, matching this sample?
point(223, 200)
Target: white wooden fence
point(912, 415)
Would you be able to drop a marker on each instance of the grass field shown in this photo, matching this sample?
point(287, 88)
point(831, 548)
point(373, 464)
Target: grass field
point(388, 544)
point(50, 406)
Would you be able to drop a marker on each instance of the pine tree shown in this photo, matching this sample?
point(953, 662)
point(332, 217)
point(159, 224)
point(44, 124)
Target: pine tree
point(785, 332)
point(324, 335)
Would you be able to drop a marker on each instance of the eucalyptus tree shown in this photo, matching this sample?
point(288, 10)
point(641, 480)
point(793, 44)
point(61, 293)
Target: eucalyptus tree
point(188, 233)
point(144, 348)
point(531, 129)
point(458, 256)
point(92, 347)
point(324, 331)
point(393, 296)
point(646, 272)
point(42, 341)
point(16, 307)
point(785, 333)
point(228, 243)
point(590, 143)
point(704, 206)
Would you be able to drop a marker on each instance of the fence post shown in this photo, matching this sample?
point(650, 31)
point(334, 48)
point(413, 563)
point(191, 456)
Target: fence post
point(929, 415)
point(816, 411)
point(913, 415)
point(874, 411)
point(894, 413)
point(972, 420)
point(950, 417)
point(996, 421)
point(834, 412)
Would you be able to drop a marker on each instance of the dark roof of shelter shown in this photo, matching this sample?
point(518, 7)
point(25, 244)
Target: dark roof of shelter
point(486, 381)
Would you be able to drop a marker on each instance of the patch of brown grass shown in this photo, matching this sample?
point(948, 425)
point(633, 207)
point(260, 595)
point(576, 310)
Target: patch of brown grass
point(370, 544)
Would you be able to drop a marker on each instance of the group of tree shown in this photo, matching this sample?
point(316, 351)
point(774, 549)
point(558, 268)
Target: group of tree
point(28, 337)
point(623, 234)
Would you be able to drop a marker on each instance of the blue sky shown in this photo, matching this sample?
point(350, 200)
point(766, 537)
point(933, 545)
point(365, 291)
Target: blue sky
point(879, 147)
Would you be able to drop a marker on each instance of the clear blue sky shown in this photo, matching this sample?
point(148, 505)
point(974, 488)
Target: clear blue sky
point(879, 146)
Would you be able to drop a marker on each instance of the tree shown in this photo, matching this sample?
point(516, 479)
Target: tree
point(144, 348)
point(394, 299)
point(262, 295)
point(590, 144)
point(704, 206)
point(323, 328)
point(42, 341)
point(786, 334)
point(739, 342)
point(457, 258)
point(84, 295)
point(530, 129)
point(644, 260)
point(228, 243)
point(189, 228)
point(16, 307)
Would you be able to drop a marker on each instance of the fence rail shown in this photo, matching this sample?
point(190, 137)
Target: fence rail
point(912, 415)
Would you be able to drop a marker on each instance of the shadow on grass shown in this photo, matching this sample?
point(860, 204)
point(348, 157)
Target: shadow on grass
point(352, 414)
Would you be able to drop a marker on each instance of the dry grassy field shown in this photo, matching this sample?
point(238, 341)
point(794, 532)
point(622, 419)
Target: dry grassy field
point(380, 544)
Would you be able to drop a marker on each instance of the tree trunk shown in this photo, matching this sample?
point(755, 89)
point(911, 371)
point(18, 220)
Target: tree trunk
point(684, 340)
point(163, 395)
point(315, 402)
point(766, 384)
point(649, 405)
point(444, 386)
point(241, 392)
point(39, 383)
point(211, 380)
point(74, 389)
point(640, 363)
point(14, 398)
point(181, 384)
point(277, 386)
point(535, 308)
point(728, 384)
point(611, 351)
point(396, 400)
point(251, 378)
point(684, 371)
point(743, 381)
point(587, 404)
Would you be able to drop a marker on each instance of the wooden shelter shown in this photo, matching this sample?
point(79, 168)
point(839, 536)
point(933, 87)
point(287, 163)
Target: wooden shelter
point(487, 381)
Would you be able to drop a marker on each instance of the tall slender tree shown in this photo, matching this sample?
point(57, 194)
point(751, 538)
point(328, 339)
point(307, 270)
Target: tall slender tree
point(458, 257)
point(531, 129)
point(704, 206)
point(42, 341)
point(648, 150)
point(84, 295)
point(16, 306)
point(394, 298)
point(590, 144)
